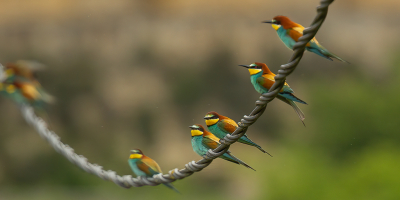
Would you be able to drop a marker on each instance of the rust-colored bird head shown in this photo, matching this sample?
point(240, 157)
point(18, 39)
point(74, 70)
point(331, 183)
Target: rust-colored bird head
point(136, 153)
point(196, 130)
point(283, 21)
point(213, 117)
point(257, 67)
point(24, 68)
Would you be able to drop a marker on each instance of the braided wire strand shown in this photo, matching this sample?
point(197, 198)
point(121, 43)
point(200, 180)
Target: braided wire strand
point(2, 74)
point(128, 181)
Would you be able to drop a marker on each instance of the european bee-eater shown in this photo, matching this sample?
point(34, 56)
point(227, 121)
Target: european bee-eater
point(220, 125)
point(203, 140)
point(262, 79)
point(142, 165)
point(21, 85)
point(26, 92)
point(290, 32)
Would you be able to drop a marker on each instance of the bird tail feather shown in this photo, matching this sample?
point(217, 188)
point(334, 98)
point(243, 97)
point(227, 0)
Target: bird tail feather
point(232, 158)
point(169, 185)
point(245, 140)
point(322, 51)
point(291, 97)
point(298, 111)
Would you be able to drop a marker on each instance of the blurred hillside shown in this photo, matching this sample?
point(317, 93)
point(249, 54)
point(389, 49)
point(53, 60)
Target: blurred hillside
point(135, 74)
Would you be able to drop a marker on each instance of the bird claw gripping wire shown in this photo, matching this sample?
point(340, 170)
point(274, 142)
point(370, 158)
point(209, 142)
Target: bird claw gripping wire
point(128, 181)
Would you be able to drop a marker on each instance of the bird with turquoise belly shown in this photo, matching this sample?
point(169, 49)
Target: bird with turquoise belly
point(262, 79)
point(203, 140)
point(290, 32)
point(144, 166)
point(220, 125)
point(20, 84)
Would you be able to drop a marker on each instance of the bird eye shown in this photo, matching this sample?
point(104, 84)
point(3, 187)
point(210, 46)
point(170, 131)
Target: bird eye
point(277, 22)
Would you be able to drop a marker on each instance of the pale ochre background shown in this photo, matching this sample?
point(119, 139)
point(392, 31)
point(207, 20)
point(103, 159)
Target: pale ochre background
point(135, 74)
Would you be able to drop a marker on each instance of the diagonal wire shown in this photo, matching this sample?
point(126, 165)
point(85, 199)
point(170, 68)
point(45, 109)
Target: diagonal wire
point(128, 181)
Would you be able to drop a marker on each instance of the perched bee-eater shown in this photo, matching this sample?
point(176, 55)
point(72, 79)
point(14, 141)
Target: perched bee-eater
point(220, 125)
point(142, 165)
point(290, 32)
point(26, 92)
point(20, 84)
point(203, 140)
point(262, 79)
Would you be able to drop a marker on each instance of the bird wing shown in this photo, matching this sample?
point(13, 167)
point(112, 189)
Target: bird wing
point(286, 88)
point(296, 32)
point(210, 142)
point(30, 92)
point(149, 166)
point(228, 125)
point(267, 80)
point(211, 136)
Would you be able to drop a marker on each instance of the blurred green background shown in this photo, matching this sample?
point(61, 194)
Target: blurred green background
point(135, 74)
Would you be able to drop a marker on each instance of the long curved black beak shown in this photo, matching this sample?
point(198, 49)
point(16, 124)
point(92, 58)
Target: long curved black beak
point(268, 21)
point(245, 66)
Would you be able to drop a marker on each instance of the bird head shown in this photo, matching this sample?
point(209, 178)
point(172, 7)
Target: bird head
point(23, 69)
point(196, 130)
point(279, 21)
point(211, 118)
point(136, 153)
point(253, 68)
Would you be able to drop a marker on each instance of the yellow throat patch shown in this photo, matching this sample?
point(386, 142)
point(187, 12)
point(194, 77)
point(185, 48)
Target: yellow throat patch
point(276, 27)
point(254, 71)
point(196, 132)
point(211, 122)
point(133, 156)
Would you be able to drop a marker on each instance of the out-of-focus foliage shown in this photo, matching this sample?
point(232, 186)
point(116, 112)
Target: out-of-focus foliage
point(135, 74)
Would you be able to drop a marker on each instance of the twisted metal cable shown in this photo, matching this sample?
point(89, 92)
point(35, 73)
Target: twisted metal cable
point(128, 181)
point(2, 74)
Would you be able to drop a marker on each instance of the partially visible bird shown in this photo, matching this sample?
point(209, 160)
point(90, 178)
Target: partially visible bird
point(26, 93)
point(220, 125)
point(22, 85)
point(203, 140)
point(262, 79)
point(142, 165)
point(290, 32)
